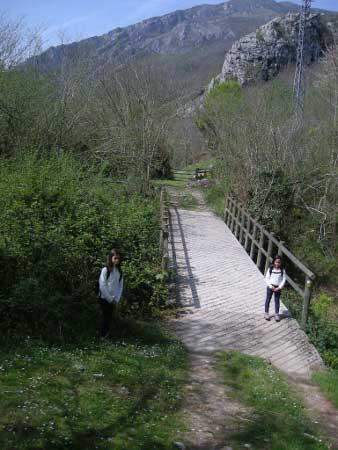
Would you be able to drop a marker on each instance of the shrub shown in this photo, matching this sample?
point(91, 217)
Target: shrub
point(215, 197)
point(271, 199)
point(58, 222)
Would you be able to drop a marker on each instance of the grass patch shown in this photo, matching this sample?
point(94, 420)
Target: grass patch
point(215, 198)
point(277, 420)
point(179, 184)
point(328, 383)
point(123, 394)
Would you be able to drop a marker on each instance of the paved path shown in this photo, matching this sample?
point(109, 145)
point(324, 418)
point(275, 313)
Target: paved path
point(223, 295)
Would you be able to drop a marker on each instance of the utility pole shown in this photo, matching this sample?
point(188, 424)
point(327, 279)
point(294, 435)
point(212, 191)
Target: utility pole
point(299, 85)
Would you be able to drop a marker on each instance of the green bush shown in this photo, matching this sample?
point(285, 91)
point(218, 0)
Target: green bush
point(309, 250)
point(215, 197)
point(322, 325)
point(271, 199)
point(323, 328)
point(321, 306)
point(58, 222)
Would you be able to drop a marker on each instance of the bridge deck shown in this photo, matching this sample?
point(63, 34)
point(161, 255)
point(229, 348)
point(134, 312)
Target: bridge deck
point(223, 295)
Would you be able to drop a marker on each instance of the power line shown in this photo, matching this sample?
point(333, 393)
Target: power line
point(299, 84)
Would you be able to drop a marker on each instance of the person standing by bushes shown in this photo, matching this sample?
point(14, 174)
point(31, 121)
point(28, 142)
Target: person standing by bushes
point(275, 279)
point(110, 290)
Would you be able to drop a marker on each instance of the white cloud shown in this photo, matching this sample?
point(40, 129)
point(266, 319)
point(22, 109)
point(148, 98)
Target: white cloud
point(67, 24)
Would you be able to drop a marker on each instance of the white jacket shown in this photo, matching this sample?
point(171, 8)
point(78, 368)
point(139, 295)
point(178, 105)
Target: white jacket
point(276, 278)
point(111, 288)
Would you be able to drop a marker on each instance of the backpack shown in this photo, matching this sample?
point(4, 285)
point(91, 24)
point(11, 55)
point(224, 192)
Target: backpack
point(97, 284)
point(281, 270)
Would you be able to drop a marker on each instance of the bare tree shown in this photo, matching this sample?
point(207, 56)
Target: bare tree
point(17, 41)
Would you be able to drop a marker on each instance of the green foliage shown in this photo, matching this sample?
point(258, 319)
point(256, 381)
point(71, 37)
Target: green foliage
point(294, 303)
point(227, 91)
point(224, 99)
point(271, 199)
point(25, 101)
point(322, 325)
point(93, 396)
point(215, 197)
point(321, 307)
point(277, 419)
point(309, 250)
point(59, 221)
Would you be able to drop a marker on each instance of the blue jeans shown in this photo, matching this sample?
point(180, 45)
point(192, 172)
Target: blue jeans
point(269, 294)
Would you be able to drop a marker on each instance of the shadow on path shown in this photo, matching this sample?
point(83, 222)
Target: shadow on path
point(189, 279)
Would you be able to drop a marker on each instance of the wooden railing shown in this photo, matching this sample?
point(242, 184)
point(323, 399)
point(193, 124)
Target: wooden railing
point(262, 245)
point(164, 229)
point(186, 175)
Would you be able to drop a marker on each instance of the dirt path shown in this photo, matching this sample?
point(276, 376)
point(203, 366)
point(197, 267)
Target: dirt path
point(217, 315)
point(319, 408)
point(210, 413)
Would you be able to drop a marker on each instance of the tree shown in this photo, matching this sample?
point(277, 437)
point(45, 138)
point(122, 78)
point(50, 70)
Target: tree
point(17, 41)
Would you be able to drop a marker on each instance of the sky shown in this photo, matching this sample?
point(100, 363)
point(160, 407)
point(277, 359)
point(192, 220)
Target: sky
point(72, 20)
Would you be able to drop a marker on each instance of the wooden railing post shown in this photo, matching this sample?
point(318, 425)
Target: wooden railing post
point(233, 215)
point(269, 255)
point(226, 208)
point(306, 302)
point(242, 227)
point(229, 212)
point(232, 206)
point(161, 219)
point(247, 231)
point(252, 249)
point(165, 257)
point(164, 231)
point(260, 253)
point(237, 221)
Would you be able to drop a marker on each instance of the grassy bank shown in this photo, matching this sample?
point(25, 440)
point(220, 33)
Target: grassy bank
point(328, 383)
point(277, 420)
point(122, 394)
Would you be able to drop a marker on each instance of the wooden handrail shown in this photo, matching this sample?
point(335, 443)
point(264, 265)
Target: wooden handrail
point(246, 228)
point(164, 229)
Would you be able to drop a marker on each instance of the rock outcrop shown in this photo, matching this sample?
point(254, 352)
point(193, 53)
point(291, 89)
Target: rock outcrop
point(262, 54)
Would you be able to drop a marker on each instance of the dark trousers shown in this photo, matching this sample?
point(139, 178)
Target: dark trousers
point(107, 316)
point(269, 294)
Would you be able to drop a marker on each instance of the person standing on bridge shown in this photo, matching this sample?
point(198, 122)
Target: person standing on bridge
point(275, 279)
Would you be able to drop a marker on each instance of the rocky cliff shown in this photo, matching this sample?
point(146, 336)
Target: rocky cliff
point(262, 54)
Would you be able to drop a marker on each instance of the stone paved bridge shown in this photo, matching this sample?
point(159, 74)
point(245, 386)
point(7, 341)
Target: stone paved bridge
point(222, 293)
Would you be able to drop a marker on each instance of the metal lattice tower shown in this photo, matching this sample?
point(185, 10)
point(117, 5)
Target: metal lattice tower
point(298, 86)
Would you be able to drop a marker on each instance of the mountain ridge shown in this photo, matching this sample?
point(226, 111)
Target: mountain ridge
point(178, 32)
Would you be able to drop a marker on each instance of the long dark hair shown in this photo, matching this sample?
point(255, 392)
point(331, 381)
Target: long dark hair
point(110, 265)
point(281, 262)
